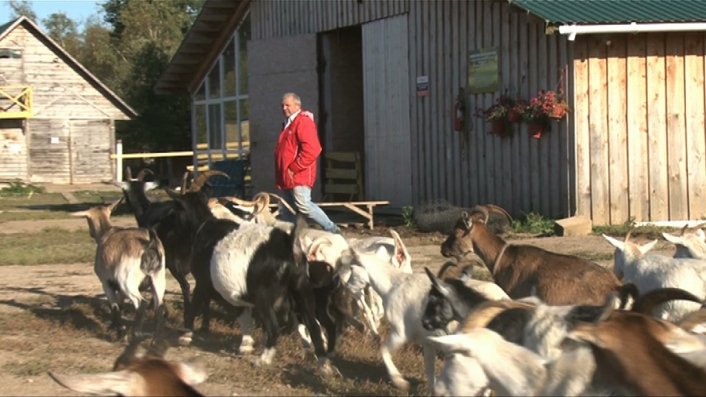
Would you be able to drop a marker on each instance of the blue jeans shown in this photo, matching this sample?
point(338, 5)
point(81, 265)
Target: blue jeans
point(299, 199)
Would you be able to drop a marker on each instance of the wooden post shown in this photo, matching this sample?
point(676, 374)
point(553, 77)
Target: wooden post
point(118, 160)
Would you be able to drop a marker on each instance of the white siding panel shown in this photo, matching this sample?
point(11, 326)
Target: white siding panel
point(387, 157)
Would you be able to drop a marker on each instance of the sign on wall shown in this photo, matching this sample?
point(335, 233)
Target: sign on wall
point(422, 86)
point(483, 70)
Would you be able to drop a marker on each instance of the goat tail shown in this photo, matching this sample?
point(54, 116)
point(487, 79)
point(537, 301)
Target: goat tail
point(646, 303)
point(152, 260)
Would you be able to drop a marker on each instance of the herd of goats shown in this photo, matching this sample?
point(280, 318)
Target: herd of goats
point(549, 324)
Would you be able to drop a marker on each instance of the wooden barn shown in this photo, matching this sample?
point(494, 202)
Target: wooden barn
point(382, 78)
point(56, 118)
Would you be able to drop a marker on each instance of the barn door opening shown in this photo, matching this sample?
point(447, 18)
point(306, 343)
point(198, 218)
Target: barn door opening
point(341, 124)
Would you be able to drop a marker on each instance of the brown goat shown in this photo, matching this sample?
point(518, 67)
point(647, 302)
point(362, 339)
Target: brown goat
point(630, 353)
point(146, 375)
point(558, 279)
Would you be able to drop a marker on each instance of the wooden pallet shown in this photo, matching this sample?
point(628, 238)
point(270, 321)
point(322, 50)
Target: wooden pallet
point(362, 208)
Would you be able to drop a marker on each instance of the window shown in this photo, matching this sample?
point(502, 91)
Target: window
point(220, 105)
point(10, 53)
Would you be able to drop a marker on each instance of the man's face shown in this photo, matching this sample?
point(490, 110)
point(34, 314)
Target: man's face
point(289, 106)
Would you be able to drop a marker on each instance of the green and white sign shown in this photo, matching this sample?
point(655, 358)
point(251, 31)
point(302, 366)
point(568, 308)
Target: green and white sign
point(483, 70)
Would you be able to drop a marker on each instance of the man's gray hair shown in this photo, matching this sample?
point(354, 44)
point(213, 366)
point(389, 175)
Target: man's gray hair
point(294, 96)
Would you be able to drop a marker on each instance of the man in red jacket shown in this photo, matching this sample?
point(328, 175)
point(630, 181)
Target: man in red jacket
point(297, 149)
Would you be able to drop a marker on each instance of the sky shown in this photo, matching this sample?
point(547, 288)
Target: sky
point(78, 10)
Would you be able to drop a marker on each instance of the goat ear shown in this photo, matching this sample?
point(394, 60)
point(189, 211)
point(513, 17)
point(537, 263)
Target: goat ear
point(467, 220)
point(454, 343)
point(672, 238)
point(314, 253)
point(436, 283)
point(115, 203)
point(615, 242)
point(108, 383)
point(401, 257)
point(648, 246)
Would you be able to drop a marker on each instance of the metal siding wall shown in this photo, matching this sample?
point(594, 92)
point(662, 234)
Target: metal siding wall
point(276, 18)
point(518, 173)
point(387, 123)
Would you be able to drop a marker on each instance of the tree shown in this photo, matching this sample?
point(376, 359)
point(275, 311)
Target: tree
point(64, 31)
point(22, 7)
point(145, 35)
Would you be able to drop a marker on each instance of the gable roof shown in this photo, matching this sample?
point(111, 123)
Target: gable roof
point(615, 11)
point(6, 28)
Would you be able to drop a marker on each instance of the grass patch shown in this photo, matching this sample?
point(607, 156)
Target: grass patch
point(533, 223)
point(649, 231)
point(51, 245)
point(20, 189)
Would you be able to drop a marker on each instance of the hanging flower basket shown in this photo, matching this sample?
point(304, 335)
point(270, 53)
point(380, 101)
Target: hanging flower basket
point(535, 130)
point(498, 127)
point(558, 112)
point(514, 116)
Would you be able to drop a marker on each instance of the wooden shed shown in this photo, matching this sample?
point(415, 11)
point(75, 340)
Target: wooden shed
point(56, 118)
point(382, 77)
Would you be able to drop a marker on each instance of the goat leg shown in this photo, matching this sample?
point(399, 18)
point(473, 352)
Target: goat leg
point(271, 333)
point(322, 314)
point(306, 305)
point(394, 341)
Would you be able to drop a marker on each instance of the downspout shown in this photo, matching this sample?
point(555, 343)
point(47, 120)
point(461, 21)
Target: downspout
point(573, 30)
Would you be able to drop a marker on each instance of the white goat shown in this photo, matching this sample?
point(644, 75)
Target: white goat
point(404, 298)
point(510, 368)
point(125, 259)
point(653, 271)
point(690, 243)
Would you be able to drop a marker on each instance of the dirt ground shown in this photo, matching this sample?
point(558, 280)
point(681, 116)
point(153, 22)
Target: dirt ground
point(54, 317)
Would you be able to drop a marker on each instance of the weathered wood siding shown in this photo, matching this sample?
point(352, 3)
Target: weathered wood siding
point(277, 18)
point(387, 153)
point(640, 127)
point(49, 158)
point(60, 91)
point(520, 173)
point(90, 147)
point(13, 151)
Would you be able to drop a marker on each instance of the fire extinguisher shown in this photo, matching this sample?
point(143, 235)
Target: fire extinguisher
point(459, 111)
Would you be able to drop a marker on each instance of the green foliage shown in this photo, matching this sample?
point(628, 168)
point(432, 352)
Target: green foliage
point(22, 7)
point(649, 231)
point(533, 223)
point(64, 31)
point(20, 189)
point(408, 217)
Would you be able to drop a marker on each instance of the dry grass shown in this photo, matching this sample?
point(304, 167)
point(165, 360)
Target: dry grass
point(51, 245)
point(70, 334)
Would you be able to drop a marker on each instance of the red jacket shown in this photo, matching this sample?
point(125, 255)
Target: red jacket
point(297, 149)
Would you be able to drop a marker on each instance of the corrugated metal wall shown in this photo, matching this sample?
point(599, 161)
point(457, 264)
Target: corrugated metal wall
point(276, 18)
point(520, 174)
point(387, 123)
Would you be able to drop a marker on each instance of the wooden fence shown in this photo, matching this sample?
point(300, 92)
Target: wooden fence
point(639, 118)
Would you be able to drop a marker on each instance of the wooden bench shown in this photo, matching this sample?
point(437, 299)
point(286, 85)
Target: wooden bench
point(343, 178)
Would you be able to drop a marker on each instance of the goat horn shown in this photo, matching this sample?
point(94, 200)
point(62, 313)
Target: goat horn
point(184, 181)
point(482, 210)
point(499, 210)
point(128, 173)
point(283, 201)
point(646, 303)
point(693, 319)
point(198, 182)
point(628, 235)
point(143, 173)
point(236, 200)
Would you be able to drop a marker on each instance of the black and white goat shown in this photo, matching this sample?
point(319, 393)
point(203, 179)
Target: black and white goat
point(252, 265)
point(162, 217)
point(127, 260)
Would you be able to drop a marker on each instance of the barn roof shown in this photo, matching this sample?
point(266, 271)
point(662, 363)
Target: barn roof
point(216, 20)
point(31, 26)
point(615, 11)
